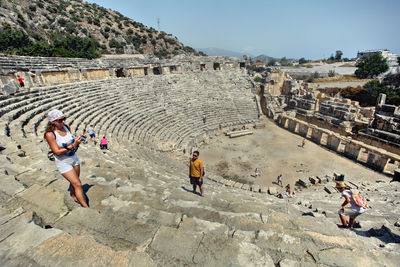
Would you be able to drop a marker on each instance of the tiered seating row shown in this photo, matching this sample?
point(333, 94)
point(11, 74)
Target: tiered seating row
point(161, 112)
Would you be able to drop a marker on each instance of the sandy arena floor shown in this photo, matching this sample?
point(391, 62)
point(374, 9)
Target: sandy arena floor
point(274, 150)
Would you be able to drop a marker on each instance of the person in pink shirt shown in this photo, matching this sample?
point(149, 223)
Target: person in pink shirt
point(103, 143)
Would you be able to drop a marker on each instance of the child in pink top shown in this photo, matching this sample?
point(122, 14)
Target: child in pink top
point(103, 143)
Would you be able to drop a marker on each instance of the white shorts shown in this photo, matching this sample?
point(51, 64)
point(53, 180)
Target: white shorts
point(67, 164)
point(349, 212)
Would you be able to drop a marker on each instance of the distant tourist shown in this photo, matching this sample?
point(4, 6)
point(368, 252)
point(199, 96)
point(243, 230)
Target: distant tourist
point(92, 134)
point(256, 173)
point(196, 171)
point(279, 180)
point(103, 143)
point(303, 142)
point(64, 147)
point(355, 209)
point(287, 187)
point(204, 118)
point(21, 81)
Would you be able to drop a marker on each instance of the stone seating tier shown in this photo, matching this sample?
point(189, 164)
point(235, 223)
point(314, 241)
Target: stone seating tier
point(142, 212)
point(102, 102)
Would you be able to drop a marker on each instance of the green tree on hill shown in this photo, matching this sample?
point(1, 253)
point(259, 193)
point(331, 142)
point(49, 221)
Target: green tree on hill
point(17, 42)
point(371, 66)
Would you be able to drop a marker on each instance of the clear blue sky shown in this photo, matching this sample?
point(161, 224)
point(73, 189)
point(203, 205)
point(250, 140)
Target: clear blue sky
point(293, 28)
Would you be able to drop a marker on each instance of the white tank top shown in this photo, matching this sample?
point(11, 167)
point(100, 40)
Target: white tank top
point(63, 141)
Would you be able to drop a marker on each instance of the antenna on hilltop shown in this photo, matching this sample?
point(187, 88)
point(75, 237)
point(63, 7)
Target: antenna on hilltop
point(158, 23)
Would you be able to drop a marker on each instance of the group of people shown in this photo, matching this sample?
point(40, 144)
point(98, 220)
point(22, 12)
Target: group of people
point(103, 141)
point(64, 146)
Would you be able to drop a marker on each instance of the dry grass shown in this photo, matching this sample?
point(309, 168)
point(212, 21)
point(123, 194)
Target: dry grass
point(344, 78)
point(348, 65)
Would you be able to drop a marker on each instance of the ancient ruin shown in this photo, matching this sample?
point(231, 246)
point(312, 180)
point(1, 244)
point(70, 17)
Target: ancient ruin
point(142, 213)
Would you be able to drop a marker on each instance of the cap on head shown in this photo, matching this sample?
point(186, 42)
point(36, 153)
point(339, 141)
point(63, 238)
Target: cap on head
point(54, 115)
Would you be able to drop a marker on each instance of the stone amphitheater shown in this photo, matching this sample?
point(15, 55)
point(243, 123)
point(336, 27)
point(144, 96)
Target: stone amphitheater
point(141, 210)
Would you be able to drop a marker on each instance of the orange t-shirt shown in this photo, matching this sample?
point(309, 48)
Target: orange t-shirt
point(195, 167)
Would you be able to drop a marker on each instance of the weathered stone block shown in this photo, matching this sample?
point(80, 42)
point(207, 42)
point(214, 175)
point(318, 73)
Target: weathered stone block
point(238, 185)
point(272, 190)
point(255, 188)
point(330, 189)
point(396, 176)
point(303, 183)
point(263, 189)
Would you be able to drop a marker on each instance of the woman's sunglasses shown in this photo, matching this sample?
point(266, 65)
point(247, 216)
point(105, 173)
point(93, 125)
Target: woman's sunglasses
point(60, 120)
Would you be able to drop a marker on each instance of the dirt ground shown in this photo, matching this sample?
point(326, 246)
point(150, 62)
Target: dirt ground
point(275, 151)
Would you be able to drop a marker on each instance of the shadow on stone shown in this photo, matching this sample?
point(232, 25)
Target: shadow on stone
point(85, 189)
point(384, 234)
point(189, 190)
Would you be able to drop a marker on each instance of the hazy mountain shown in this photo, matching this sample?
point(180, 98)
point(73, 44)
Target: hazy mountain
point(264, 58)
point(212, 51)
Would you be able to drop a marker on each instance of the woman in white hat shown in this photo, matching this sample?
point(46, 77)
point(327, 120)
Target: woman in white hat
point(353, 211)
point(64, 146)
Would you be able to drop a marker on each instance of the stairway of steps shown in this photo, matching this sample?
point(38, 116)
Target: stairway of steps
point(142, 207)
point(142, 210)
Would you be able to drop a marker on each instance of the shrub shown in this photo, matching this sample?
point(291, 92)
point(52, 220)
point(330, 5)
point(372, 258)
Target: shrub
point(189, 49)
point(258, 79)
point(331, 73)
point(62, 22)
point(162, 53)
point(96, 22)
point(129, 31)
point(371, 66)
point(32, 8)
point(17, 42)
point(71, 28)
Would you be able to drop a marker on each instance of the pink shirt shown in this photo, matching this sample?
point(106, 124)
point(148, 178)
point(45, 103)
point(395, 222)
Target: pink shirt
point(104, 141)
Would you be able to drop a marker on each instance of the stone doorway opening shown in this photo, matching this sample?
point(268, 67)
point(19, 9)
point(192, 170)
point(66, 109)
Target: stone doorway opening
point(157, 71)
point(120, 73)
point(202, 67)
point(217, 66)
point(172, 68)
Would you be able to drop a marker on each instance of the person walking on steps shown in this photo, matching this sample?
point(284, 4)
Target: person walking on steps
point(64, 147)
point(279, 180)
point(196, 172)
point(92, 134)
point(356, 208)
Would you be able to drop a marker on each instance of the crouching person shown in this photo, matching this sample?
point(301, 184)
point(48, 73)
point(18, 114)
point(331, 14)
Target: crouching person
point(357, 205)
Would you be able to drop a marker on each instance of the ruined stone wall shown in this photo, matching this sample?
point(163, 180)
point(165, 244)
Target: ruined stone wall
point(40, 71)
point(372, 156)
point(275, 85)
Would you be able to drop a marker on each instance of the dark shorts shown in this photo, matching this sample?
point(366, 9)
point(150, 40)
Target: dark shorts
point(195, 180)
point(92, 135)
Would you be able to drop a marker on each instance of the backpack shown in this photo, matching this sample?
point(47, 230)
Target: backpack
point(358, 199)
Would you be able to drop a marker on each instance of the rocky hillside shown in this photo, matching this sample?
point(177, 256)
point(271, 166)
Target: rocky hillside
point(43, 20)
